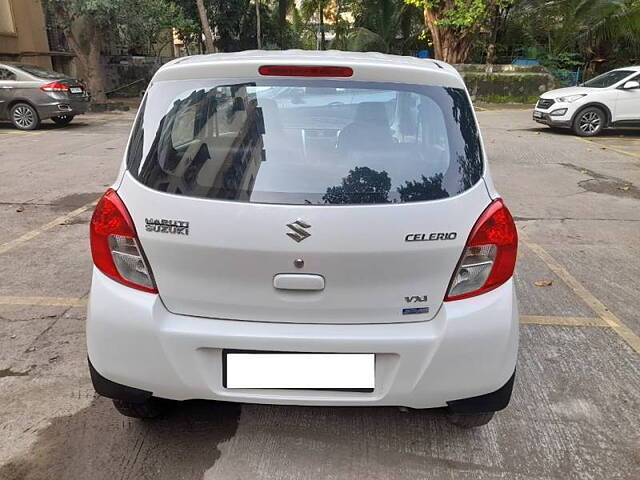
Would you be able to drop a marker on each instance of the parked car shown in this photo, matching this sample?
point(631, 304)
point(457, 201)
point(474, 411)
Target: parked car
point(30, 94)
point(608, 100)
point(345, 251)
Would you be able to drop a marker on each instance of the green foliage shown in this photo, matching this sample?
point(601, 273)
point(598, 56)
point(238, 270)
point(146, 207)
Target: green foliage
point(153, 19)
point(130, 22)
point(112, 13)
point(303, 33)
point(388, 26)
point(460, 14)
point(235, 23)
point(362, 40)
point(563, 60)
point(590, 28)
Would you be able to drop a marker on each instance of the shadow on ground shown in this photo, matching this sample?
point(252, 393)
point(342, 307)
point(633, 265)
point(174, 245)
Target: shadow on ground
point(45, 125)
point(98, 443)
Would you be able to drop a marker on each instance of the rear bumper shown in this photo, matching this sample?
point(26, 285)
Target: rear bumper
point(468, 350)
point(63, 107)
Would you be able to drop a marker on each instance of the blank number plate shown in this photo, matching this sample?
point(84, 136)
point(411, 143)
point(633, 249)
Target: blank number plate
point(308, 371)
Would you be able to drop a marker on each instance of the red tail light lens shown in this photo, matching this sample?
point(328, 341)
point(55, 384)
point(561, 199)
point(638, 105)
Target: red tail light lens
point(304, 71)
point(489, 257)
point(115, 247)
point(55, 87)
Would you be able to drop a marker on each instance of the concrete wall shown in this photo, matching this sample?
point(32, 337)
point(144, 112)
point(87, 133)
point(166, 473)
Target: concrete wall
point(506, 83)
point(122, 70)
point(23, 36)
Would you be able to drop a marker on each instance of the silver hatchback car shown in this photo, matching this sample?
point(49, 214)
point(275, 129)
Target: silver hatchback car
point(30, 94)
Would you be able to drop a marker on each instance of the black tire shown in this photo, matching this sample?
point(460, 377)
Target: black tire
point(24, 117)
point(62, 120)
point(589, 122)
point(151, 408)
point(470, 421)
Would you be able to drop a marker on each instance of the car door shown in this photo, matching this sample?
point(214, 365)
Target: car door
point(628, 102)
point(8, 82)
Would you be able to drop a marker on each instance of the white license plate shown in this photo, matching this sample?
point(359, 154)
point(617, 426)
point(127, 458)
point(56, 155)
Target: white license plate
point(75, 90)
point(537, 114)
point(327, 371)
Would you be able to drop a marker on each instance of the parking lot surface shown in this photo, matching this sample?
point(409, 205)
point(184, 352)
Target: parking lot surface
point(575, 411)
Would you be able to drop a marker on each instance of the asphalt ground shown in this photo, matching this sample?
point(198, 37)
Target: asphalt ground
point(575, 411)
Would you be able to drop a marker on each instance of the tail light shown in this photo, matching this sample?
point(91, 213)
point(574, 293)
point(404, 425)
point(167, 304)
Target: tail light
point(489, 257)
point(55, 87)
point(115, 247)
point(304, 71)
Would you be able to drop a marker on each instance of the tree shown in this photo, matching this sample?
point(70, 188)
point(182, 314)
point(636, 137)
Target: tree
point(311, 8)
point(382, 25)
point(89, 24)
point(236, 23)
point(581, 30)
point(206, 28)
point(495, 25)
point(426, 189)
point(303, 34)
point(258, 32)
point(152, 29)
point(283, 8)
point(454, 24)
point(361, 185)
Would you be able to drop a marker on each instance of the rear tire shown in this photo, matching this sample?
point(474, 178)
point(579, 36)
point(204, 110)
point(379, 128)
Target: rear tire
point(589, 122)
point(24, 117)
point(470, 421)
point(62, 120)
point(151, 408)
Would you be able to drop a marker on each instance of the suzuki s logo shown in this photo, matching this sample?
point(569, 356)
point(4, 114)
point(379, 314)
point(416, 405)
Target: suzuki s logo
point(299, 233)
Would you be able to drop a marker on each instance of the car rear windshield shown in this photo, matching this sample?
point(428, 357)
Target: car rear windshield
point(306, 142)
point(607, 79)
point(38, 71)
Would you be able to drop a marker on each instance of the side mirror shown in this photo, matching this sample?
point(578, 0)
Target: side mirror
point(631, 84)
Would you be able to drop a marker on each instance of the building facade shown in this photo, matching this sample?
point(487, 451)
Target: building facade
point(23, 33)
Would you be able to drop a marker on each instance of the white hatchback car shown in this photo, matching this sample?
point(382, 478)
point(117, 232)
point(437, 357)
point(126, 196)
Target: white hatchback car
point(609, 100)
point(308, 228)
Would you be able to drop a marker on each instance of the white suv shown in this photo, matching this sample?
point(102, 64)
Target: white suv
point(609, 100)
point(309, 228)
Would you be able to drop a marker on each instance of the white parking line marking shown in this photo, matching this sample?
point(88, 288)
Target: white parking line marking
point(5, 247)
point(22, 133)
point(587, 297)
point(593, 143)
point(44, 301)
point(563, 321)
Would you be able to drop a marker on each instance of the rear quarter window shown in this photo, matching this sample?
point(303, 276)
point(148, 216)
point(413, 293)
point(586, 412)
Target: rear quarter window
point(306, 142)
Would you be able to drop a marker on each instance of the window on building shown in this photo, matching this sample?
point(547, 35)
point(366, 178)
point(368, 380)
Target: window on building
point(7, 24)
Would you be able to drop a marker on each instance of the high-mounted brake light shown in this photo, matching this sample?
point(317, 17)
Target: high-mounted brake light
point(304, 71)
point(55, 87)
point(115, 247)
point(489, 257)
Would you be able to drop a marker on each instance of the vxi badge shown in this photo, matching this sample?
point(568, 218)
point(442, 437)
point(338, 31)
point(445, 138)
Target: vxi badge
point(430, 237)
